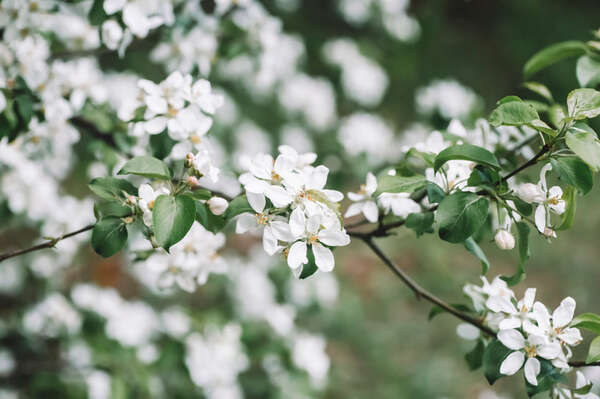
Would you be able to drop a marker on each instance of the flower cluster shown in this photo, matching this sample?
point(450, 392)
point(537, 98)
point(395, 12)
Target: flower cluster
point(526, 327)
point(302, 217)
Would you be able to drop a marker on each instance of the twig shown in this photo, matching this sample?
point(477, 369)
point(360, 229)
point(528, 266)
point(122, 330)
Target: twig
point(531, 162)
point(48, 244)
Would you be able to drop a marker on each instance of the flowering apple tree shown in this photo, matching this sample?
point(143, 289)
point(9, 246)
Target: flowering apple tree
point(167, 195)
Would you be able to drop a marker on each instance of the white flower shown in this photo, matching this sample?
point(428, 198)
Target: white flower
point(530, 193)
point(202, 163)
point(555, 327)
point(531, 347)
point(147, 195)
point(200, 94)
point(549, 200)
point(217, 205)
point(112, 33)
point(400, 204)
point(516, 314)
point(310, 232)
point(264, 178)
point(504, 239)
point(363, 200)
point(299, 160)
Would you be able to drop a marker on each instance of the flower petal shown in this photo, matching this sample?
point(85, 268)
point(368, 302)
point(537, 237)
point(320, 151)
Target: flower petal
point(256, 201)
point(298, 223)
point(245, 222)
point(563, 313)
point(297, 255)
point(510, 323)
point(549, 351)
point(512, 339)
point(540, 218)
point(512, 363)
point(529, 298)
point(323, 257)
point(370, 211)
point(532, 369)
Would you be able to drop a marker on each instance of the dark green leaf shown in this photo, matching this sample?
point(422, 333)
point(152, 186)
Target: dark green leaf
point(97, 15)
point(24, 107)
point(472, 247)
point(111, 187)
point(172, 217)
point(483, 176)
point(210, 221)
point(421, 223)
point(435, 193)
point(103, 209)
point(551, 55)
point(237, 206)
point(146, 166)
point(466, 152)
point(514, 113)
point(201, 194)
point(583, 103)
point(522, 206)
point(475, 357)
point(109, 236)
point(493, 356)
point(460, 215)
point(399, 184)
point(588, 71)
point(574, 172)
point(309, 268)
point(570, 197)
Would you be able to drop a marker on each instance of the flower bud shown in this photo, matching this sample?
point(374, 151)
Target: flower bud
point(192, 181)
point(549, 233)
point(504, 239)
point(217, 205)
point(189, 160)
point(530, 192)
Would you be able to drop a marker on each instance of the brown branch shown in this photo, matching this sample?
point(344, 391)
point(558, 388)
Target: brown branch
point(420, 292)
point(47, 244)
point(531, 162)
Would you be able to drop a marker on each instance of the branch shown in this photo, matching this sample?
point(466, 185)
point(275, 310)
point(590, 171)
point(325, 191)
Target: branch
point(48, 244)
point(531, 162)
point(420, 292)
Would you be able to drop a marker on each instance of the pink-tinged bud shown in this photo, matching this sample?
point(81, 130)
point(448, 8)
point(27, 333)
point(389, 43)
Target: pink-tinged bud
point(549, 233)
point(504, 240)
point(530, 192)
point(217, 205)
point(192, 181)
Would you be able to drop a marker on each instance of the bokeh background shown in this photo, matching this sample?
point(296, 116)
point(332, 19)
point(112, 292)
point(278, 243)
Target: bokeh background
point(379, 340)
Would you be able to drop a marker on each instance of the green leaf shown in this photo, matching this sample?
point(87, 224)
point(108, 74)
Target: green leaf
point(466, 152)
point(583, 103)
point(201, 194)
point(513, 113)
point(557, 114)
point(24, 108)
point(508, 99)
point(103, 209)
point(237, 206)
point(109, 236)
point(172, 217)
point(111, 187)
point(435, 193)
point(570, 197)
point(475, 357)
point(493, 356)
point(587, 321)
point(210, 221)
point(541, 126)
point(309, 268)
point(146, 166)
point(473, 248)
point(585, 145)
point(574, 172)
point(483, 176)
point(540, 89)
point(523, 243)
point(421, 223)
point(551, 55)
point(594, 351)
point(548, 376)
point(522, 206)
point(97, 15)
point(460, 215)
point(588, 71)
point(399, 184)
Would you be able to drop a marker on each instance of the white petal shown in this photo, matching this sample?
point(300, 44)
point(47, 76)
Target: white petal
point(298, 222)
point(512, 363)
point(512, 339)
point(353, 209)
point(333, 195)
point(510, 323)
point(532, 369)
point(334, 237)
point(541, 315)
point(256, 201)
point(156, 125)
point(540, 218)
point(370, 211)
point(278, 196)
point(467, 331)
point(371, 185)
point(318, 178)
point(185, 282)
point(281, 230)
point(156, 104)
point(283, 165)
point(245, 222)
point(323, 257)
point(529, 297)
point(549, 351)
point(313, 223)
point(500, 304)
point(572, 336)
point(297, 255)
point(146, 192)
point(563, 313)
point(269, 241)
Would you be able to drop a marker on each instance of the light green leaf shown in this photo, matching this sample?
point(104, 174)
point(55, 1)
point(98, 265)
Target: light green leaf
point(541, 126)
point(585, 145)
point(523, 243)
point(570, 197)
point(594, 351)
point(508, 99)
point(109, 236)
point(583, 103)
point(513, 113)
point(111, 187)
point(435, 193)
point(587, 321)
point(557, 114)
point(551, 55)
point(172, 217)
point(104, 209)
point(200, 193)
point(460, 215)
point(399, 184)
point(466, 152)
point(472, 247)
point(588, 71)
point(539, 88)
point(574, 172)
point(146, 166)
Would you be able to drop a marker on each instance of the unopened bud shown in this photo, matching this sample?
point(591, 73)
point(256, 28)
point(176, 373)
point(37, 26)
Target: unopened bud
point(549, 233)
point(217, 205)
point(504, 239)
point(189, 160)
point(131, 199)
point(530, 192)
point(192, 181)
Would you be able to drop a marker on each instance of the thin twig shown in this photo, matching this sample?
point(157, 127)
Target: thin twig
point(47, 244)
point(531, 162)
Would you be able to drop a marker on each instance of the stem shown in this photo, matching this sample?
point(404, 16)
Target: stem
point(48, 244)
point(531, 162)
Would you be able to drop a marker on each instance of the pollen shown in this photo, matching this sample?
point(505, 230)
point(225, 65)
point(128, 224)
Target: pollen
point(531, 351)
point(312, 239)
point(275, 177)
point(195, 139)
point(363, 189)
point(172, 111)
point(261, 218)
point(151, 204)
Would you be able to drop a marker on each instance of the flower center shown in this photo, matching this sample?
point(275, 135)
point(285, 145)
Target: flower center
point(261, 218)
point(172, 269)
point(531, 351)
point(363, 189)
point(312, 239)
point(553, 201)
point(172, 111)
point(194, 138)
point(275, 177)
point(151, 204)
